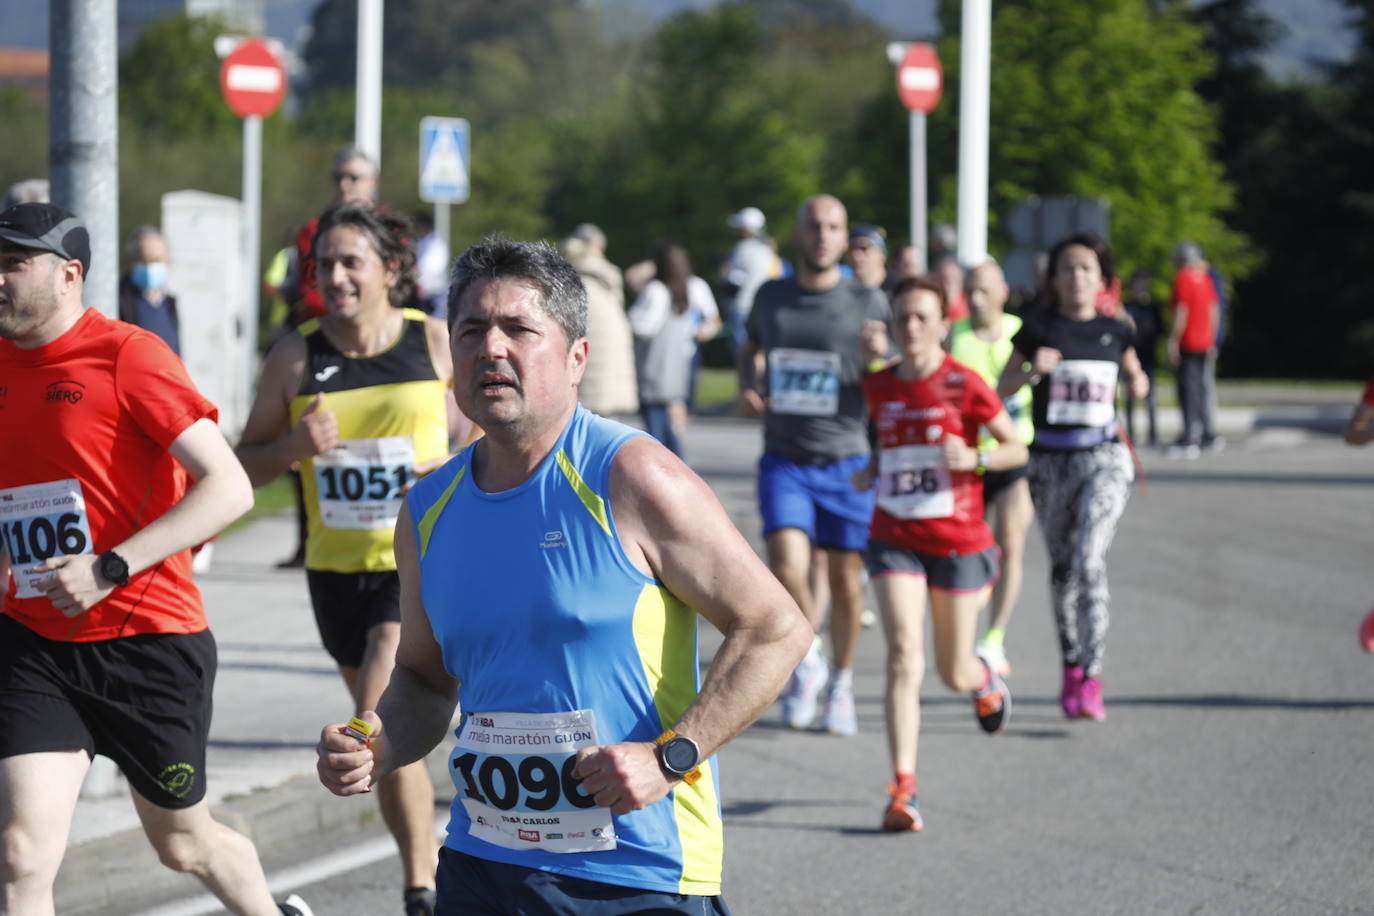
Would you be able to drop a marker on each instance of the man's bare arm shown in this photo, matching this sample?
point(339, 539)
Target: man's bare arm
point(415, 710)
point(672, 524)
point(220, 494)
point(270, 443)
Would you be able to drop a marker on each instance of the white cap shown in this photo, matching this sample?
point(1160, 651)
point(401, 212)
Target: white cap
point(750, 219)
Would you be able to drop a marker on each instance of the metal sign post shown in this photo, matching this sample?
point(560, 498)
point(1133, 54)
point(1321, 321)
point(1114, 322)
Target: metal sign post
point(919, 83)
point(445, 167)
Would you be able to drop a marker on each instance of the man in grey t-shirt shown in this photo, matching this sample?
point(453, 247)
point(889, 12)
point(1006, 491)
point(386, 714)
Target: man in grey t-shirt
point(801, 368)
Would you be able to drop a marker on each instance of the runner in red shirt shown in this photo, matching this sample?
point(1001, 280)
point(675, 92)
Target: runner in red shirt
point(1360, 431)
point(928, 534)
point(103, 639)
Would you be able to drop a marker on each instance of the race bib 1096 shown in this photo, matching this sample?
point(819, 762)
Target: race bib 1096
point(513, 773)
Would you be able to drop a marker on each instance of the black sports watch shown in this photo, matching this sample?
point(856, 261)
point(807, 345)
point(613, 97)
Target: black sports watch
point(678, 756)
point(113, 567)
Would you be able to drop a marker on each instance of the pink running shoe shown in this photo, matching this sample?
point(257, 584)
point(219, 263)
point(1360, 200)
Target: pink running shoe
point(1070, 698)
point(1091, 696)
point(1367, 633)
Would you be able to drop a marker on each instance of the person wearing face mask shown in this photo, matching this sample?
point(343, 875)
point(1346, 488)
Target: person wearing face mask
point(143, 296)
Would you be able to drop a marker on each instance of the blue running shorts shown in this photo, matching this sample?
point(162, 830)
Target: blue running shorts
point(818, 499)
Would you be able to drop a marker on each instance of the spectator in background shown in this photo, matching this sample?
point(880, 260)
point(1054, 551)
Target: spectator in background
point(674, 313)
point(354, 175)
point(1149, 323)
point(951, 277)
point(431, 267)
point(143, 296)
point(1192, 342)
point(751, 262)
point(868, 255)
point(608, 385)
point(906, 264)
point(1209, 377)
point(28, 191)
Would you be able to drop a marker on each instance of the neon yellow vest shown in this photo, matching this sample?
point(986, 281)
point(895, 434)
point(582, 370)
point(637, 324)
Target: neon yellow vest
point(989, 359)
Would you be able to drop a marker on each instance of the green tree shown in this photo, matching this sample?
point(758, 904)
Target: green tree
point(169, 80)
point(1096, 98)
point(26, 138)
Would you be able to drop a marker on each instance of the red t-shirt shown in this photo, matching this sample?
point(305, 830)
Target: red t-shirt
point(1193, 289)
point(957, 308)
point(1369, 393)
point(922, 505)
point(85, 424)
point(311, 304)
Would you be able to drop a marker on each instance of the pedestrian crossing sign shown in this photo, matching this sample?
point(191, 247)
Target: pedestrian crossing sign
point(444, 160)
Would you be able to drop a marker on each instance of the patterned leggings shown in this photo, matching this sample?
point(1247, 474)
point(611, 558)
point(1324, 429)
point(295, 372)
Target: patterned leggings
point(1079, 496)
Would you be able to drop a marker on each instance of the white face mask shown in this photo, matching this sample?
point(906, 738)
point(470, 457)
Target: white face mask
point(149, 275)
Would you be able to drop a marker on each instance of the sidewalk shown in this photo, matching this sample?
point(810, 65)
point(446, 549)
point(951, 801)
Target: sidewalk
point(276, 686)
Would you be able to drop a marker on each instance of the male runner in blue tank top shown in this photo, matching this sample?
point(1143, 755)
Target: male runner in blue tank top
point(551, 575)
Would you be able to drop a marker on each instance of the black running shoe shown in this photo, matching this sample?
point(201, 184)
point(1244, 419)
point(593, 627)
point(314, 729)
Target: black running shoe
point(295, 906)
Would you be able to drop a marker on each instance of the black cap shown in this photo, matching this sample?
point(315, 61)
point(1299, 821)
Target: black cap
point(47, 227)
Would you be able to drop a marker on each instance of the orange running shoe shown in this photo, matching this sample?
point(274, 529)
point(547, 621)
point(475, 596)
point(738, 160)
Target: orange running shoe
point(992, 704)
point(902, 815)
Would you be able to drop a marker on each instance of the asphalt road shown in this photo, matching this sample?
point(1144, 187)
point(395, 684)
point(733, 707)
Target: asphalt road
point(1233, 774)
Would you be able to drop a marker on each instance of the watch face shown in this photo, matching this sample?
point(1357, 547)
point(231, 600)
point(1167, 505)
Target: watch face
point(680, 755)
point(113, 568)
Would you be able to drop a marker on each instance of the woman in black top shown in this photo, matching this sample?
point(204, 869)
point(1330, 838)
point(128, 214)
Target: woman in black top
point(1080, 471)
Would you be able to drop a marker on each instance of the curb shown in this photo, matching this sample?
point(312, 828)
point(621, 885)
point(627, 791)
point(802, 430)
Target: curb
point(121, 873)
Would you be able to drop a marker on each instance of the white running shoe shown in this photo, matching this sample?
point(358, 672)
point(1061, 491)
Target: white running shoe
point(803, 689)
point(295, 906)
point(840, 717)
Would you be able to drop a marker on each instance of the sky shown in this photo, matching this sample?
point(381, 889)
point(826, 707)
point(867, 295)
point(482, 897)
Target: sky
point(1316, 29)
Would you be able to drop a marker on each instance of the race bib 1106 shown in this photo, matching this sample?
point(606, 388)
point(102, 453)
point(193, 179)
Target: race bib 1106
point(360, 482)
point(513, 773)
point(39, 521)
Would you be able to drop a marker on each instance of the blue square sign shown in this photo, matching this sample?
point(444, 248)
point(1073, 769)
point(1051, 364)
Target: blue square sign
point(444, 160)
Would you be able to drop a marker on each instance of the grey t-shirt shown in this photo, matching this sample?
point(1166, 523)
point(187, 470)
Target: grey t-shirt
point(814, 377)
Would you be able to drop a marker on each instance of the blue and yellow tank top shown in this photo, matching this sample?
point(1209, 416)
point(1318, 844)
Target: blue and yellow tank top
point(392, 414)
point(559, 642)
point(988, 359)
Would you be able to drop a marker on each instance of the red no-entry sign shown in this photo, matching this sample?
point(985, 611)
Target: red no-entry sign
point(252, 79)
point(920, 79)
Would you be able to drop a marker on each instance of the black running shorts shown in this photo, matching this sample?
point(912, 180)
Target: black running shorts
point(347, 605)
point(994, 482)
point(143, 701)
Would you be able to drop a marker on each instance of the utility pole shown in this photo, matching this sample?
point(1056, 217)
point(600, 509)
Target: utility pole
point(974, 91)
point(367, 118)
point(83, 134)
